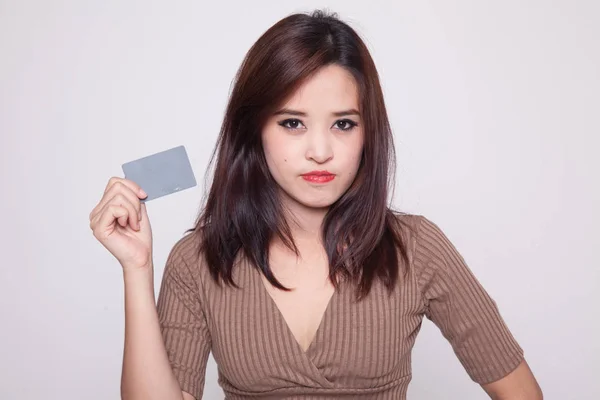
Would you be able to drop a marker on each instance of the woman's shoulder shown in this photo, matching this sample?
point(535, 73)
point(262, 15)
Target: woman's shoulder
point(187, 246)
point(186, 254)
point(431, 247)
point(407, 224)
point(416, 224)
point(426, 241)
point(405, 218)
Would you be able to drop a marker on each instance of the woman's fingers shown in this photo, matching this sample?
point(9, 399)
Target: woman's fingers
point(104, 219)
point(132, 214)
point(120, 204)
point(134, 187)
point(120, 186)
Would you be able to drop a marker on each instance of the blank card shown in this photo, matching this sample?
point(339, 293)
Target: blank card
point(162, 173)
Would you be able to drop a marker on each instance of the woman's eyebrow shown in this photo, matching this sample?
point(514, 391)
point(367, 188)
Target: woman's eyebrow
point(289, 111)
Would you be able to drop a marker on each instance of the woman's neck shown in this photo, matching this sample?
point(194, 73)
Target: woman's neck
point(305, 226)
point(305, 222)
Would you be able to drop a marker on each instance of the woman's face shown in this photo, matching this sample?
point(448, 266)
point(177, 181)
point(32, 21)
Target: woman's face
point(313, 143)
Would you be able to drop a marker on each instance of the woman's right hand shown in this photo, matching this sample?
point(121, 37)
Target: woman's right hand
point(120, 222)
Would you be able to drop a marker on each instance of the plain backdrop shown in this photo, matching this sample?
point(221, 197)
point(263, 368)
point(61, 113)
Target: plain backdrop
point(495, 109)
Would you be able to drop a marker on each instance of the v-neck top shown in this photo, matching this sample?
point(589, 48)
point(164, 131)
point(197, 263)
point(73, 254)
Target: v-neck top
point(361, 350)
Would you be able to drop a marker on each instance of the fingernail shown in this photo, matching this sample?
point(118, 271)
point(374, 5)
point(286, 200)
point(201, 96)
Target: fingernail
point(140, 215)
point(142, 192)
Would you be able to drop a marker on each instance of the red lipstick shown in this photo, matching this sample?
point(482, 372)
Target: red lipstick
point(318, 176)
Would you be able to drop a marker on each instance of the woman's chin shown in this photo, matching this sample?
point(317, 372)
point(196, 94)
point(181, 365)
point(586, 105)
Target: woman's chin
point(304, 200)
point(316, 204)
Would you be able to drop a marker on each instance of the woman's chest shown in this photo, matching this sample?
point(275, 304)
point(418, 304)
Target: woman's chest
point(355, 344)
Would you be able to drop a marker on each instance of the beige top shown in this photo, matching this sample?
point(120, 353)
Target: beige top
point(360, 351)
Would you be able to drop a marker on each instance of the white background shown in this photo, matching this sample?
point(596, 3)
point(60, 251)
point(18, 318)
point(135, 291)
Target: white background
point(495, 109)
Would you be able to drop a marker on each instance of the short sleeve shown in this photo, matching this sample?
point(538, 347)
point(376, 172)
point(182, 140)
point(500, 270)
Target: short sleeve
point(456, 302)
point(182, 320)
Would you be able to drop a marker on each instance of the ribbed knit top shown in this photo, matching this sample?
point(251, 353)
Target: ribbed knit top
point(362, 350)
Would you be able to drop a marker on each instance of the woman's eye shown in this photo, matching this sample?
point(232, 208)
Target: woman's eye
point(291, 123)
point(345, 124)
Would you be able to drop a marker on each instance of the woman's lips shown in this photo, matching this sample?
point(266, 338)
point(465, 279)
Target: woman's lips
point(318, 176)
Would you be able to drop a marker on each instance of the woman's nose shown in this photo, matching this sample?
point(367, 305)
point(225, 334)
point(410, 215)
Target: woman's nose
point(319, 147)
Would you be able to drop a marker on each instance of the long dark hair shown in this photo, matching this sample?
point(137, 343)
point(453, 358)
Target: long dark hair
point(242, 213)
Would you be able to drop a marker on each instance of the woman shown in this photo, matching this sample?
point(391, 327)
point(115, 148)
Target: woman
point(297, 276)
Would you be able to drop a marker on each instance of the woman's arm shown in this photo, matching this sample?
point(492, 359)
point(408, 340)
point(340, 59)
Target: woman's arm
point(120, 223)
point(147, 373)
point(469, 318)
point(518, 385)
